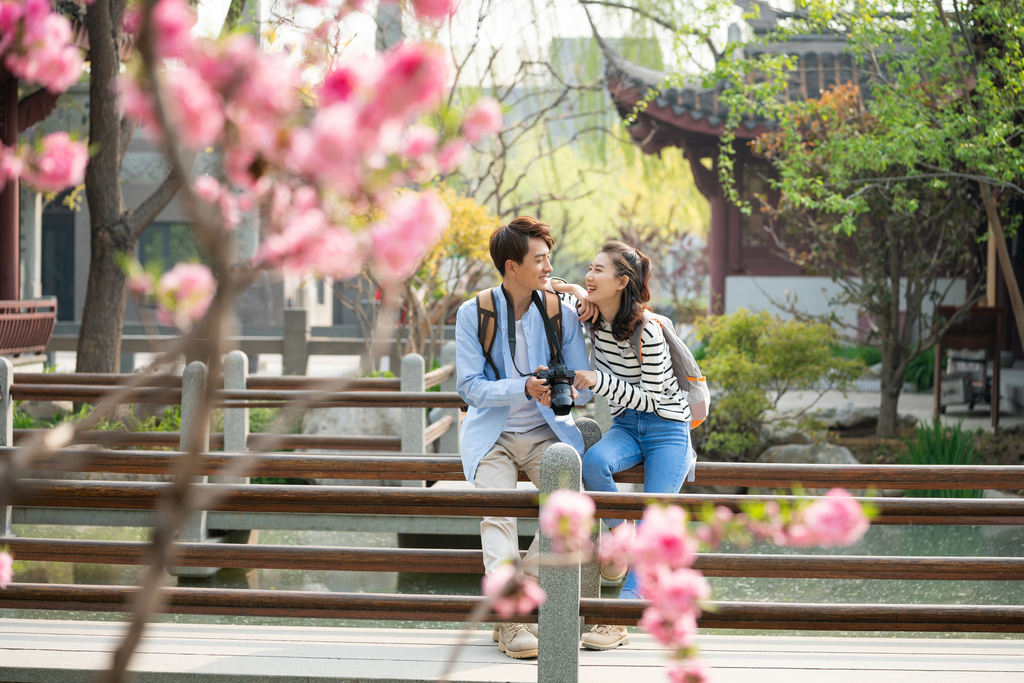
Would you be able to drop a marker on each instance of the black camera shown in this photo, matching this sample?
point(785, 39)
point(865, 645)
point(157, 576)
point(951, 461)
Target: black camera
point(559, 377)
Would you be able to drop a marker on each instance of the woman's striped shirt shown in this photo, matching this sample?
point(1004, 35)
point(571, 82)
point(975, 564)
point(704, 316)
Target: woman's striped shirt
point(648, 387)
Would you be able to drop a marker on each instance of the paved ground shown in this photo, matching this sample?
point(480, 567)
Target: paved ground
point(37, 651)
point(918, 405)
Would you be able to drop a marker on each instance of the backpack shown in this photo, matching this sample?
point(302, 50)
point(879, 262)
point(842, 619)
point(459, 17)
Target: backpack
point(487, 321)
point(684, 366)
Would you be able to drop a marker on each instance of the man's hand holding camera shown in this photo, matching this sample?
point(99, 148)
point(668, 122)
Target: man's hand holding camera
point(538, 388)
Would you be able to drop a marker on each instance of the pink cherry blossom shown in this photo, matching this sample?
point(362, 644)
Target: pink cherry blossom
point(837, 519)
point(172, 22)
point(45, 54)
point(11, 165)
point(451, 155)
point(567, 517)
point(691, 670)
point(140, 283)
point(340, 254)
point(413, 79)
point(59, 163)
point(676, 591)
point(511, 592)
point(662, 539)
point(184, 294)
point(419, 140)
point(483, 118)
point(356, 78)
point(413, 224)
point(209, 189)
point(672, 631)
point(6, 569)
point(198, 110)
point(617, 546)
point(135, 103)
point(434, 10)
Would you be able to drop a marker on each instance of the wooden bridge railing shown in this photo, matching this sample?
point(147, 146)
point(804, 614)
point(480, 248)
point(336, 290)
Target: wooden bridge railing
point(566, 604)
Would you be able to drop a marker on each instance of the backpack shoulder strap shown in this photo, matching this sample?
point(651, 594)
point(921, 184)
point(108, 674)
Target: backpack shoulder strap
point(487, 324)
point(551, 314)
point(554, 309)
point(636, 340)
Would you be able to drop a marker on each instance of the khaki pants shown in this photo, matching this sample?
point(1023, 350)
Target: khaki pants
point(499, 469)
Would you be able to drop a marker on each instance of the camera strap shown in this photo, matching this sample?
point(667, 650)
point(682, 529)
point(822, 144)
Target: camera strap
point(554, 340)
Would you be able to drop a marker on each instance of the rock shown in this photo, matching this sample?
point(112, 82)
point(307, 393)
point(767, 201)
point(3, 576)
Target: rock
point(809, 454)
point(779, 436)
point(45, 410)
point(355, 422)
point(812, 454)
point(852, 416)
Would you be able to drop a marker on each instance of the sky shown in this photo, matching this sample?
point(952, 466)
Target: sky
point(517, 27)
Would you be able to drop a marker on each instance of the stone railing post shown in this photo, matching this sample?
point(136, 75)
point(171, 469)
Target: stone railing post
point(590, 570)
point(414, 420)
point(559, 617)
point(295, 354)
point(449, 441)
point(195, 434)
point(6, 426)
point(236, 420)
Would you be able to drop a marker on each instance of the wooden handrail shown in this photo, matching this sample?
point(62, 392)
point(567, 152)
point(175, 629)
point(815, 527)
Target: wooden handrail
point(475, 502)
point(329, 558)
point(240, 398)
point(759, 615)
point(370, 465)
point(827, 616)
point(114, 438)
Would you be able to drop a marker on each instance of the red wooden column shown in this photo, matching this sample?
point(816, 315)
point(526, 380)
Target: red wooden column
point(10, 266)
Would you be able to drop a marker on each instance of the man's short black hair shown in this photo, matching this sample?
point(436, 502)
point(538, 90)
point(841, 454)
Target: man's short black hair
point(512, 241)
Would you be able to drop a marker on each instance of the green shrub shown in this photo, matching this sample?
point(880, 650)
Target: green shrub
point(921, 371)
point(751, 360)
point(939, 445)
point(869, 355)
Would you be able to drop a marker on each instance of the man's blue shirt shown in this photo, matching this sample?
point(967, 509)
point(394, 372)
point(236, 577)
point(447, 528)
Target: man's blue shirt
point(490, 398)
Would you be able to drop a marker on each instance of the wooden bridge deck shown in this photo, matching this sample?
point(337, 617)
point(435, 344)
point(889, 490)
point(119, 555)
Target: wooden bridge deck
point(38, 651)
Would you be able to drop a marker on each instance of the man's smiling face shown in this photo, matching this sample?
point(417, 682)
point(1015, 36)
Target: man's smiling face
point(533, 272)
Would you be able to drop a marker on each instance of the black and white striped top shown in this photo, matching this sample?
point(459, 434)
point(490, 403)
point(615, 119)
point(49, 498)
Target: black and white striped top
point(651, 387)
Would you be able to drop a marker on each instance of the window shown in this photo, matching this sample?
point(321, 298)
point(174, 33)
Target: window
point(166, 244)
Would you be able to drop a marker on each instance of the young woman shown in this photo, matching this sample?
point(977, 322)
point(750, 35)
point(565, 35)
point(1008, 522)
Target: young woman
point(651, 418)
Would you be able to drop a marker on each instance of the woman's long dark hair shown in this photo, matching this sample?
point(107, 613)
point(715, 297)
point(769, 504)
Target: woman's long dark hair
point(637, 267)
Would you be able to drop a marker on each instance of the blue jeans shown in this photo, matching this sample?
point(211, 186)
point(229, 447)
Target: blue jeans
point(663, 446)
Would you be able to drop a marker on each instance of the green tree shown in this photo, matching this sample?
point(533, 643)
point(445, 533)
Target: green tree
point(937, 137)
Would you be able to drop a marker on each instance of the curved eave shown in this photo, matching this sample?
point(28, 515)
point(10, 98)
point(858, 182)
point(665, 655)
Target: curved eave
point(675, 114)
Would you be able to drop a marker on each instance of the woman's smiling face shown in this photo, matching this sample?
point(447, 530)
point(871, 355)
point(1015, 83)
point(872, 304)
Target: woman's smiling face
point(602, 282)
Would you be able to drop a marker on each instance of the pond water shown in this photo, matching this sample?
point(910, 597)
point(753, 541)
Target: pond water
point(880, 540)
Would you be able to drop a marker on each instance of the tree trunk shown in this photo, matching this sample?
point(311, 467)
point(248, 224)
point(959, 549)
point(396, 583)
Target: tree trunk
point(894, 371)
point(99, 341)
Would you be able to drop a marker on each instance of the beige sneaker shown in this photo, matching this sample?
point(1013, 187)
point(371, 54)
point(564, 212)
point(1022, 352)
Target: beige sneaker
point(532, 628)
point(515, 640)
point(605, 637)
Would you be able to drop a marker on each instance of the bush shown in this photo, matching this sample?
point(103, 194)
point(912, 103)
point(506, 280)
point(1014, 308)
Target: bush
point(939, 445)
point(746, 356)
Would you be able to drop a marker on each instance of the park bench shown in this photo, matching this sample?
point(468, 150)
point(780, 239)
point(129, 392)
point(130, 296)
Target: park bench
point(573, 591)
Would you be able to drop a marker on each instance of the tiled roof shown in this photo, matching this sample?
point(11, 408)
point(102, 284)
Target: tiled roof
point(821, 62)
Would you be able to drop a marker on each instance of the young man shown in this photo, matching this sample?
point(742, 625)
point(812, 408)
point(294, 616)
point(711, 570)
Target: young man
point(510, 424)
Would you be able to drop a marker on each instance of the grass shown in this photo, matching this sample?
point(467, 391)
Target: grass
point(935, 444)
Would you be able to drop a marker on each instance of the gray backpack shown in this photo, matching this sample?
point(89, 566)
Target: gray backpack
point(684, 366)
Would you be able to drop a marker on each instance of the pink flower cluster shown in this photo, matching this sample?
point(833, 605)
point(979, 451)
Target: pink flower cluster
point(55, 163)
point(35, 44)
point(184, 294)
point(313, 169)
point(837, 519)
point(6, 569)
point(512, 592)
point(567, 517)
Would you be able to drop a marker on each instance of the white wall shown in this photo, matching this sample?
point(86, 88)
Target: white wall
point(812, 295)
